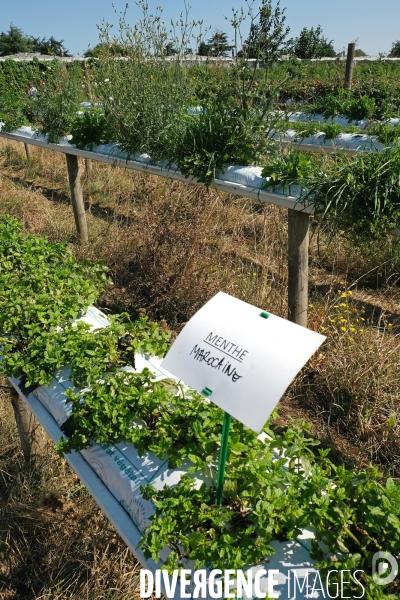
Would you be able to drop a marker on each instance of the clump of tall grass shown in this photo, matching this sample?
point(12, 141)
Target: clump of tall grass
point(360, 194)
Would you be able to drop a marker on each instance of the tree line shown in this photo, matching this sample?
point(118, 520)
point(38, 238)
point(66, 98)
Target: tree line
point(15, 41)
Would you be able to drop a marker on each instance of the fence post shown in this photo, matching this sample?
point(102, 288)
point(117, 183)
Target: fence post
point(298, 232)
point(351, 49)
point(76, 197)
point(30, 431)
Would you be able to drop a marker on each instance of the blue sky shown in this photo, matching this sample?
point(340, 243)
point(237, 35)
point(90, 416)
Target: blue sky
point(374, 24)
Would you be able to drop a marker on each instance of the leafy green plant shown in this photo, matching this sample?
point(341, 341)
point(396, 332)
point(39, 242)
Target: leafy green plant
point(385, 132)
point(212, 139)
point(345, 103)
point(113, 347)
point(168, 422)
point(287, 170)
point(143, 93)
point(148, 99)
point(259, 505)
point(57, 103)
point(353, 514)
point(13, 108)
point(305, 130)
point(332, 131)
point(355, 517)
point(42, 288)
point(91, 128)
point(359, 108)
point(310, 128)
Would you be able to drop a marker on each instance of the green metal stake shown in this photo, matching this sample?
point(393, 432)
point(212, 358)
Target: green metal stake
point(223, 453)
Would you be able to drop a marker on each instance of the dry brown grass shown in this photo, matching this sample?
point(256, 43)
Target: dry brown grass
point(170, 248)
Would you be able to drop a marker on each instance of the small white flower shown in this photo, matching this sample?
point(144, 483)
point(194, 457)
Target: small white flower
point(111, 99)
point(106, 80)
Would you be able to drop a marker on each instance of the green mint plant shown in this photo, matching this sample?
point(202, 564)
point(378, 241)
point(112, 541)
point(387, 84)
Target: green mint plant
point(43, 287)
point(358, 108)
point(355, 517)
point(90, 353)
point(352, 514)
point(305, 130)
point(44, 290)
point(261, 502)
point(170, 422)
point(353, 106)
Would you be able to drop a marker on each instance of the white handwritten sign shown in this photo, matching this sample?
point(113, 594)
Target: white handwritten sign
point(242, 360)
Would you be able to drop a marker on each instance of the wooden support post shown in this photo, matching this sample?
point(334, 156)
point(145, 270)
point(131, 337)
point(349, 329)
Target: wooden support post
point(298, 231)
point(349, 66)
point(88, 169)
point(30, 431)
point(76, 197)
point(27, 151)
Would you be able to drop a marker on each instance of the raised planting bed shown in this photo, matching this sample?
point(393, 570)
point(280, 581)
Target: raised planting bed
point(133, 423)
point(114, 474)
point(239, 180)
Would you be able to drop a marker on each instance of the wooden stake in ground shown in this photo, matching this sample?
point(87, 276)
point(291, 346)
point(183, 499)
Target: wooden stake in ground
point(298, 232)
point(27, 151)
point(30, 431)
point(349, 66)
point(76, 197)
point(88, 169)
